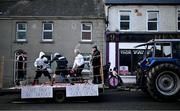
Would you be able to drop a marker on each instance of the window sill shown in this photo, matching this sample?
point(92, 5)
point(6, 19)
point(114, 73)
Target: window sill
point(49, 42)
point(20, 42)
point(125, 30)
point(86, 42)
point(152, 30)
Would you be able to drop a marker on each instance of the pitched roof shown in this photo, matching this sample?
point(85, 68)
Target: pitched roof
point(88, 8)
point(4, 5)
point(142, 2)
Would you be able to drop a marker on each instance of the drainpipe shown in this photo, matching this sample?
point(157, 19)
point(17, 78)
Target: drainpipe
point(107, 23)
point(107, 16)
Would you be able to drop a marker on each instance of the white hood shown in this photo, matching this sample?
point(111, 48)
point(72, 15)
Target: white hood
point(41, 54)
point(55, 54)
point(40, 61)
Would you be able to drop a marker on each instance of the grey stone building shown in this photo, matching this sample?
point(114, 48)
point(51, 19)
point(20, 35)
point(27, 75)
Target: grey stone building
point(49, 26)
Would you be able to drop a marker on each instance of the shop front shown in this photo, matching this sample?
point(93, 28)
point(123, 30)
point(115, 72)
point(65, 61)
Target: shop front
point(121, 51)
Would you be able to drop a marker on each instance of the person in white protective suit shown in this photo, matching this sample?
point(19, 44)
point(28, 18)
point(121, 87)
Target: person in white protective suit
point(78, 63)
point(42, 67)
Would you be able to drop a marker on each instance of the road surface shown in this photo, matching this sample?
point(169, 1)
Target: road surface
point(111, 100)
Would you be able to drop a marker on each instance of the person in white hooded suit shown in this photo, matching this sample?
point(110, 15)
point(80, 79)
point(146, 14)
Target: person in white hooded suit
point(41, 68)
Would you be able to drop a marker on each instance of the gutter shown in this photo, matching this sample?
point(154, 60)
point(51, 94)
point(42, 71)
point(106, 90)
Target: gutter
point(48, 17)
point(115, 4)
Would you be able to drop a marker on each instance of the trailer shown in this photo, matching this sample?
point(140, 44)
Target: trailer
point(59, 91)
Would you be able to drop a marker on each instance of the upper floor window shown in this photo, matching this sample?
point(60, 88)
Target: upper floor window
point(152, 20)
point(47, 32)
point(86, 31)
point(21, 32)
point(178, 18)
point(125, 17)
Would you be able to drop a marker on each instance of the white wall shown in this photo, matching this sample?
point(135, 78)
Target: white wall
point(167, 17)
point(112, 55)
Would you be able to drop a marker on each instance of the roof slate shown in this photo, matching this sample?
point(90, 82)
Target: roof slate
point(93, 8)
point(143, 2)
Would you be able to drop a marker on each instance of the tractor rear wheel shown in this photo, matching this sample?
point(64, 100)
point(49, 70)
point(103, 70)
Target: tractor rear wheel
point(163, 82)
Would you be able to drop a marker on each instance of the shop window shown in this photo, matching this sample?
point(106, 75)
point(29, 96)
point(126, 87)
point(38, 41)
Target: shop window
point(152, 20)
point(129, 59)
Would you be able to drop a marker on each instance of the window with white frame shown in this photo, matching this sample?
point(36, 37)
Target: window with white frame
point(178, 18)
point(21, 32)
point(125, 18)
point(152, 20)
point(86, 31)
point(87, 66)
point(47, 32)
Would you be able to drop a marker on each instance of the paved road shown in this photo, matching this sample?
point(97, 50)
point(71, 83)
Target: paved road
point(110, 100)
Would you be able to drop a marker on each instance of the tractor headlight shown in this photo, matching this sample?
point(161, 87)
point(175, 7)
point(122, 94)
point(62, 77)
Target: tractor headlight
point(147, 61)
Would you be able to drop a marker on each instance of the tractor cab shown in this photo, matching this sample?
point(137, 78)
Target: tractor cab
point(158, 51)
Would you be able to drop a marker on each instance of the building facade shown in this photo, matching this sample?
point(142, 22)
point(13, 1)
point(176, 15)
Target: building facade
point(131, 22)
point(49, 26)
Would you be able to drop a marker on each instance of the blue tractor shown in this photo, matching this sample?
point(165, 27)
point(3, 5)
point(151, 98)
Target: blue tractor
point(158, 73)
